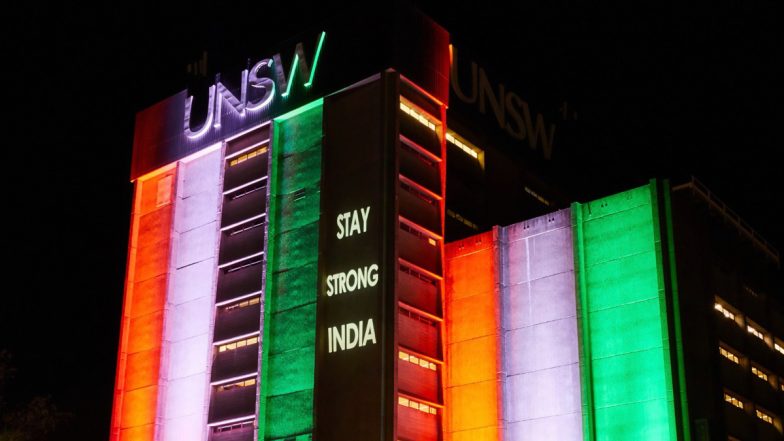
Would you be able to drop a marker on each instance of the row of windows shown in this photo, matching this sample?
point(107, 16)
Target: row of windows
point(414, 273)
point(245, 303)
point(417, 233)
point(421, 362)
point(461, 145)
point(758, 372)
point(752, 328)
point(422, 407)
point(235, 426)
point(238, 344)
point(417, 116)
point(415, 316)
point(738, 402)
point(242, 383)
point(244, 157)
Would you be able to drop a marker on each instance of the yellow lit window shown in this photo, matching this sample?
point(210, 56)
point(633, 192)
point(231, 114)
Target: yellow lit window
point(781, 384)
point(244, 157)
point(764, 416)
point(238, 384)
point(761, 375)
point(755, 332)
point(417, 116)
point(733, 400)
point(724, 311)
point(462, 146)
point(778, 348)
point(243, 304)
point(238, 344)
point(413, 359)
point(422, 407)
point(729, 355)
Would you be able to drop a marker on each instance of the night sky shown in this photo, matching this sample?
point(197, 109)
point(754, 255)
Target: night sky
point(660, 92)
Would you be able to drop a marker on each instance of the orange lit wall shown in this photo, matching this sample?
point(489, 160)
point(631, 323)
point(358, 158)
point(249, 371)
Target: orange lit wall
point(136, 385)
point(473, 340)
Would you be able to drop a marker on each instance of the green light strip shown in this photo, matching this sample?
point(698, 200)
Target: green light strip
point(316, 59)
point(288, 348)
point(676, 314)
point(626, 367)
point(291, 76)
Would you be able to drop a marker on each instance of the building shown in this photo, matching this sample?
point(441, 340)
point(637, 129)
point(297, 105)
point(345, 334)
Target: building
point(288, 276)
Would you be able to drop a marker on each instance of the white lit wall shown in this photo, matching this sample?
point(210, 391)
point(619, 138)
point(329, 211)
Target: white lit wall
point(189, 318)
point(541, 378)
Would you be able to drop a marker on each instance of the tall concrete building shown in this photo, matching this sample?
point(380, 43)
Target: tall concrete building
point(307, 261)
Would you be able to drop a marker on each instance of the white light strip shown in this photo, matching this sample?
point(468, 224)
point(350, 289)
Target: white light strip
point(237, 224)
point(461, 145)
point(224, 265)
point(240, 187)
point(410, 111)
point(232, 420)
point(248, 149)
point(237, 299)
point(234, 379)
point(234, 339)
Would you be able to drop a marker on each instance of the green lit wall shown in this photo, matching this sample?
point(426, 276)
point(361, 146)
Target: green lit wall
point(287, 361)
point(628, 357)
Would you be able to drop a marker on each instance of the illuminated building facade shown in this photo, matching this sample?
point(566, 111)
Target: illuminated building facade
point(288, 276)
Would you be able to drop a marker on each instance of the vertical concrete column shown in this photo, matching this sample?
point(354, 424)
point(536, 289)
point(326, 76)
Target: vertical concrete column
point(541, 379)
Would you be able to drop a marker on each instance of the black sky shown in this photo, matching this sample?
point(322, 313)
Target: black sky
point(661, 91)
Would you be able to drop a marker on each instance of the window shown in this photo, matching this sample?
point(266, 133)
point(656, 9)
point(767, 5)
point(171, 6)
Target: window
point(729, 355)
point(724, 311)
point(422, 407)
point(416, 316)
point(778, 348)
point(417, 116)
point(461, 145)
point(244, 157)
point(421, 362)
point(735, 401)
point(755, 332)
point(238, 344)
point(242, 383)
point(764, 416)
point(230, 427)
point(245, 303)
point(761, 375)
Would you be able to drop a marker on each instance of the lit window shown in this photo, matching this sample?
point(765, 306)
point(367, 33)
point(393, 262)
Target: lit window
point(238, 384)
point(417, 116)
point(461, 145)
point(764, 416)
point(729, 355)
point(413, 359)
point(245, 303)
point(781, 384)
point(238, 344)
point(726, 312)
point(779, 348)
point(422, 407)
point(735, 401)
point(244, 157)
point(755, 332)
point(761, 375)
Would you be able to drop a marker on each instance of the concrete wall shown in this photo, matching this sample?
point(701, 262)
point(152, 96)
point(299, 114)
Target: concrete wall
point(541, 372)
point(185, 375)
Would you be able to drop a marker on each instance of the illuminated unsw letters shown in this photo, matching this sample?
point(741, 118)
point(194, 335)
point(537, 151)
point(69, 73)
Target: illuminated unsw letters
point(258, 86)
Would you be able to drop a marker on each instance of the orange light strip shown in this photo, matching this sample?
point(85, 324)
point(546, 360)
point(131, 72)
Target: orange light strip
point(138, 363)
point(473, 398)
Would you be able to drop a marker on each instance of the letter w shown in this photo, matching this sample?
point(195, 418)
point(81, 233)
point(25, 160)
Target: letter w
point(299, 67)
